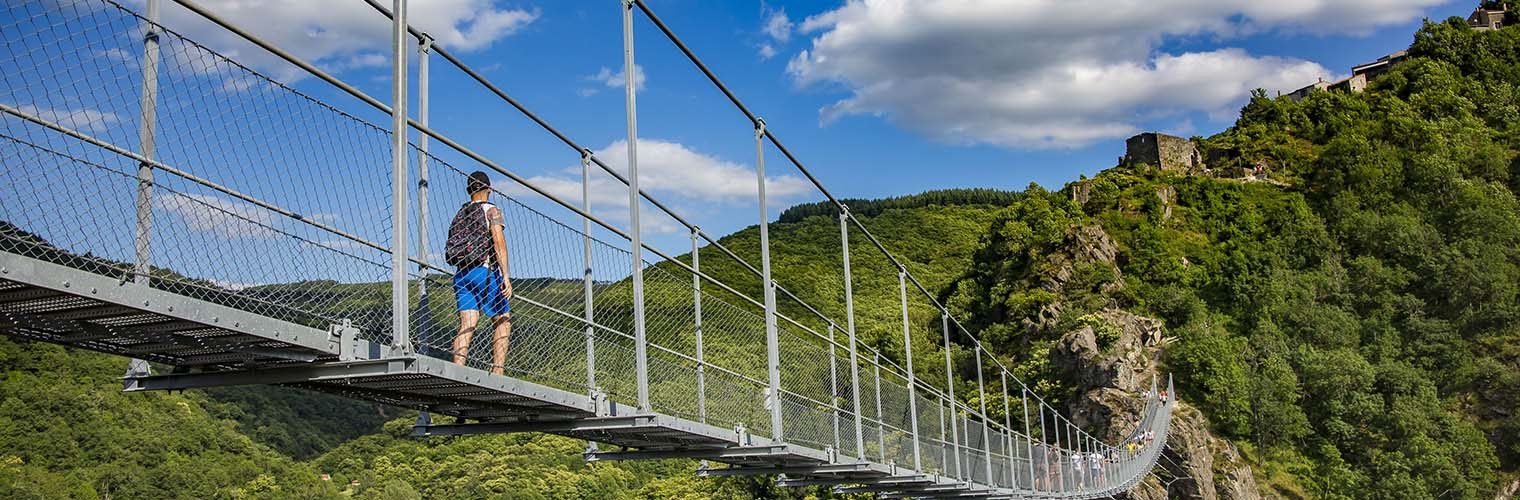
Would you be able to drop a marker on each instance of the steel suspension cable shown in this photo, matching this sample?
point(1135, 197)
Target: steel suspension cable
point(774, 140)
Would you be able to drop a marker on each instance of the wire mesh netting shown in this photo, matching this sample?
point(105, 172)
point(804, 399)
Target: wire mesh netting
point(87, 206)
point(231, 187)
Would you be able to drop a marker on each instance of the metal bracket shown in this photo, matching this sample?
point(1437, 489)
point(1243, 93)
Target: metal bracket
point(599, 403)
point(136, 368)
point(349, 348)
point(759, 127)
point(424, 43)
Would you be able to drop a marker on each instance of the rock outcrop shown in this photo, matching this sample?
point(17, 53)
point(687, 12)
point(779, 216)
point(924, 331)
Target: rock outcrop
point(1084, 245)
point(1111, 359)
point(1508, 491)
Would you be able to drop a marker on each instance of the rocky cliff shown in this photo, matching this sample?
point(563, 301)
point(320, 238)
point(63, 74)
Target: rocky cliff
point(1111, 359)
point(1113, 356)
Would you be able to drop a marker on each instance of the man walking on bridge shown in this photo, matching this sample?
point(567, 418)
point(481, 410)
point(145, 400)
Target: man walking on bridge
point(477, 248)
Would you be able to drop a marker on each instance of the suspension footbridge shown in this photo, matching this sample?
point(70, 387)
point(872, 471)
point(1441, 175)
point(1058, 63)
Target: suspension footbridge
point(165, 202)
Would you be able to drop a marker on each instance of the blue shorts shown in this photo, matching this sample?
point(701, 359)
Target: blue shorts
point(479, 288)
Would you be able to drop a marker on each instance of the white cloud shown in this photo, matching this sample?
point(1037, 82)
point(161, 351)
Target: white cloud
point(767, 51)
point(778, 26)
point(611, 79)
point(670, 172)
point(225, 217)
point(778, 30)
point(85, 120)
point(1049, 73)
point(342, 35)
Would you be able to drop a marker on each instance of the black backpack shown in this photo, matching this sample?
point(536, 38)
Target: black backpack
point(469, 242)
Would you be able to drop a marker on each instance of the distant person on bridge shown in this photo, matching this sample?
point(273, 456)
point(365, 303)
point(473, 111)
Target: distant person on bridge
point(477, 248)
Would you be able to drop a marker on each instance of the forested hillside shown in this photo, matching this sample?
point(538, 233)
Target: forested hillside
point(1352, 324)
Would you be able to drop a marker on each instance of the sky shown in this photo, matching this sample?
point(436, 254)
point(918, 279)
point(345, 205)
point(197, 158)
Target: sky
point(877, 97)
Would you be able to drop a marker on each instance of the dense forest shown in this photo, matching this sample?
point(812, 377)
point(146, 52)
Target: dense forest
point(1352, 322)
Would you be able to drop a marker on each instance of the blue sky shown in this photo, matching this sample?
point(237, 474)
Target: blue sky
point(879, 98)
point(550, 62)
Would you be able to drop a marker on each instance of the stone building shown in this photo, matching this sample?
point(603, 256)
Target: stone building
point(1357, 82)
point(1171, 153)
point(1381, 65)
point(1318, 86)
point(1486, 19)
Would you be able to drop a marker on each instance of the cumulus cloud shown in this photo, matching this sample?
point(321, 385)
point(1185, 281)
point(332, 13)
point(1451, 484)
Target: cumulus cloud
point(342, 35)
point(1049, 73)
point(669, 171)
point(777, 28)
point(611, 79)
point(767, 51)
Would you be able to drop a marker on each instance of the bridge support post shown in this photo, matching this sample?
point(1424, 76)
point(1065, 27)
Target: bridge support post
point(902, 287)
point(966, 448)
point(1048, 449)
point(147, 136)
point(640, 346)
point(1028, 438)
point(944, 440)
point(1061, 461)
point(696, 301)
point(424, 321)
point(834, 385)
point(424, 44)
point(1008, 429)
point(1075, 443)
point(587, 279)
point(772, 342)
point(986, 435)
point(950, 387)
point(881, 431)
point(400, 305)
point(849, 311)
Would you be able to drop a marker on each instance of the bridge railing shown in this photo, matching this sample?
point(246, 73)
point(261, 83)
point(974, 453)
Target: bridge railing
point(99, 189)
point(131, 145)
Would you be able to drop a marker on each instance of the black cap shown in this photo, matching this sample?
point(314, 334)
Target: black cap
point(477, 182)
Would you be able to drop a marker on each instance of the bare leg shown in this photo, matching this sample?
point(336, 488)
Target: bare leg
point(501, 336)
point(467, 320)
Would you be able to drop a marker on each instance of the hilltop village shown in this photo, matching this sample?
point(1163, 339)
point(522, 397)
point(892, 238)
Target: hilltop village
point(1481, 19)
point(1181, 155)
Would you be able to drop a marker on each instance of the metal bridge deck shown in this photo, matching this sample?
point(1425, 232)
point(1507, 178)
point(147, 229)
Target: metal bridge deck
point(209, 345)
point(49, 302)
